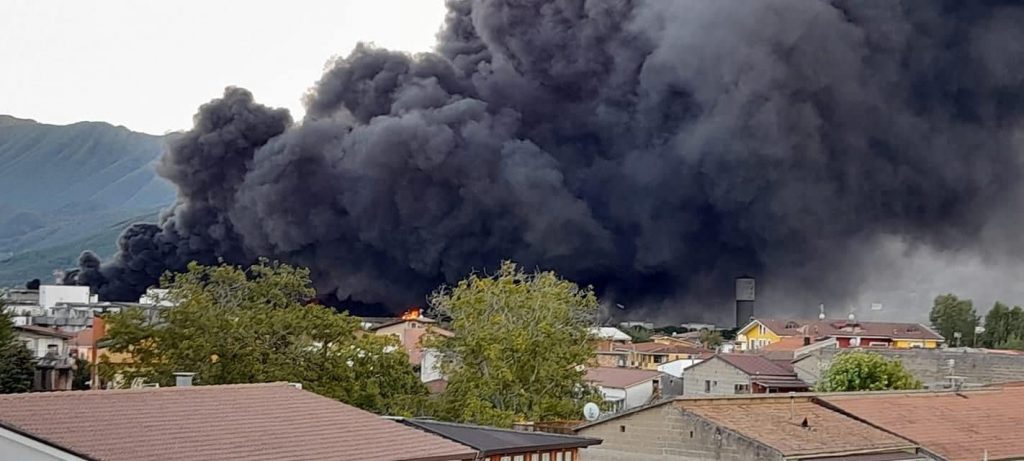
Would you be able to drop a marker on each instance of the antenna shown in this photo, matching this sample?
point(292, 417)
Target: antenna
point(821, 315)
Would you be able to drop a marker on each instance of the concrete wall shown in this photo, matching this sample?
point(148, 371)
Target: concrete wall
point(639, 395)
point(931, 366)
point(723, 378)
point(665, 433)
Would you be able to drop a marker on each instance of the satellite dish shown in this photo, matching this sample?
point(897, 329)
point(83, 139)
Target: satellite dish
point(591, 411)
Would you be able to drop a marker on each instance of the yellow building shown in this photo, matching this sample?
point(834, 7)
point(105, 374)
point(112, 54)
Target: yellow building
point(848, 333)
point(649, 355)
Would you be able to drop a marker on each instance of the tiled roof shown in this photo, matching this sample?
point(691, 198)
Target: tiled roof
point(251, 422)
point(820, 328)
point(658, 348)
point(956, 426)
point(492, 441)
point(619, 378)
point(756, 365)
point(778, 423)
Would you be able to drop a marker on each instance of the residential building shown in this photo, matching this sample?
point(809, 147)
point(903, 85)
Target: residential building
point(250, 422)
point(607, 354)
point(55, 368)
point(789, 348)
point(493, 444)
point(410, 329)
point(742, 428)
point(679, 340)
point(649, 355)
point(676, 368)
point(730, 374)
point(759, 333)
point(625, 388)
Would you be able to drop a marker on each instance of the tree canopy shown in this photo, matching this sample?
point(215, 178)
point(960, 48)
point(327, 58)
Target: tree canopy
point(865, 371)
point(1004, 327)
point(235, 325)
point(520, 345)
point(17, 364)
point(951, 315)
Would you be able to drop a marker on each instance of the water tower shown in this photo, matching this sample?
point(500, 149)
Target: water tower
point(744, 300)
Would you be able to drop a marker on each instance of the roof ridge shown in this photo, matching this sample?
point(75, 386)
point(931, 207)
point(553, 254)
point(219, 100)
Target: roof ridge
point(85, 393)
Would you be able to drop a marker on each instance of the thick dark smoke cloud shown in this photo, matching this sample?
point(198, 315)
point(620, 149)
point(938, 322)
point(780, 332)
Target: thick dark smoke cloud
point(653, 148)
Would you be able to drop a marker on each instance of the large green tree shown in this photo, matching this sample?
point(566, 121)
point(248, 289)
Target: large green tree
point(951, 315)
point(235, 325)
point(1004, 327)
point(865, 371)
point(17, 365)
point(521, 341)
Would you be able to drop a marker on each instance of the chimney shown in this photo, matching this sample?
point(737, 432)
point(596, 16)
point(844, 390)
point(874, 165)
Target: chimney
point(744, 300)
point(183, 379)
point(807, 340)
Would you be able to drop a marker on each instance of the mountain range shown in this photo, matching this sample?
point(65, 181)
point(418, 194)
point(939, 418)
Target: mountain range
point(67, 188)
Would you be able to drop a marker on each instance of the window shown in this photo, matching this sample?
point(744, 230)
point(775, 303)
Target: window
point(568, 456)
point(742, 388)
point(506, 458)
point(707, 385)
point(761, 329)
point(535, 457)
point(545, 457)
point(558, 457)
point(519, 458)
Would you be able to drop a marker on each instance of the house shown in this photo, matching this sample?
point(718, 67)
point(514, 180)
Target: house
point(252, 422)
point(682, 339)
point(676, 368)
point(493, 444)
point(649, 355)
point(759, 333)
point(751, 427)
point(967, 425)
point(607, 354)
point(410, 330)
point(625, 388)
point(792, 347)
point(55, 367)
point(730, 374)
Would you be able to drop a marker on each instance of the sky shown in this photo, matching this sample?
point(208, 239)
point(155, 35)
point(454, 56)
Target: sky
point(149, 65)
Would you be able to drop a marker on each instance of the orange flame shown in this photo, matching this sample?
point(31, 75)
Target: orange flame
point(411, 314)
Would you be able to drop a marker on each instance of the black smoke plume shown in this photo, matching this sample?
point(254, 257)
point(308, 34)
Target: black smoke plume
point(653, 148)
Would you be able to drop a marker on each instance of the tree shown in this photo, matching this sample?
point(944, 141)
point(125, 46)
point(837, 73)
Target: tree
point(711, 338)
point(17, 364)
point(866, 371)
point(521, 340)
point(951, 315)
point(638, 334)
point(256, 325)
point(1003, 327)
point(83, 374)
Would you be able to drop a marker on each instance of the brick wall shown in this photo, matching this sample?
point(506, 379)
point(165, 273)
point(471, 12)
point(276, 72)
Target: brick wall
point(667, 433)
point(723, 377)
point(931, 365)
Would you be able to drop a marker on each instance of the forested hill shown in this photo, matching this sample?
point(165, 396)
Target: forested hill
point(60, 185)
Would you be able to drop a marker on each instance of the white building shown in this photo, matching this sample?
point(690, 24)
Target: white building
point(677, 367)
point(610, 334)
point(624, 388)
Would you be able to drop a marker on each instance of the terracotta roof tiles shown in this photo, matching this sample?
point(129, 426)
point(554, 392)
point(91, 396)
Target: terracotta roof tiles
point(619, 378)
point(778, 423)
point(956, 426)
point(250, 422)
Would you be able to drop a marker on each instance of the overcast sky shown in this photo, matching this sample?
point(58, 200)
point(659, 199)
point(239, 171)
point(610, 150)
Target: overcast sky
point(149, 65)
